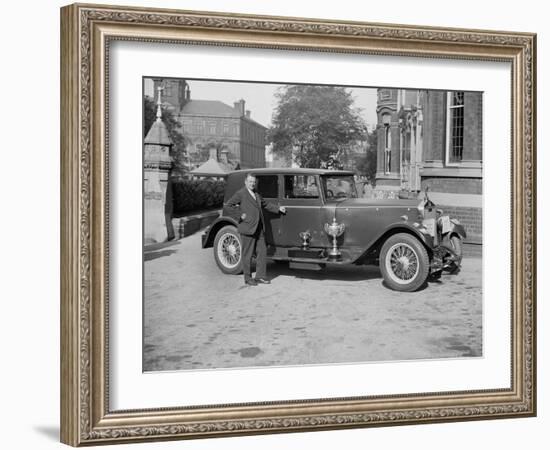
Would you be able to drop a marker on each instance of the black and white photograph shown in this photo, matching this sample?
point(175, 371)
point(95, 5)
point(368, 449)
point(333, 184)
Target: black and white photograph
point(304, 224)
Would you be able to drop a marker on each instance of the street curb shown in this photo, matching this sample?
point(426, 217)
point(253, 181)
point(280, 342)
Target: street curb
point(185, 226)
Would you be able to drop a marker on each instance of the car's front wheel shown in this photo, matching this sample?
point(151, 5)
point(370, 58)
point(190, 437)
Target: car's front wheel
point(404, 263)
point(227, 250)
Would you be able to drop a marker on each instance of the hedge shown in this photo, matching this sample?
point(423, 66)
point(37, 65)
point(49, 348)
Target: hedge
point(193, 195)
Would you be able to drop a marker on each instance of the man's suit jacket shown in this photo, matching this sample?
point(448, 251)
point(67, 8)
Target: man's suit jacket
point(252, 208)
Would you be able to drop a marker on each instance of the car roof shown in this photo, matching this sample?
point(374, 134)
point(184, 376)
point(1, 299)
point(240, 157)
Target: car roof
point(293, 171)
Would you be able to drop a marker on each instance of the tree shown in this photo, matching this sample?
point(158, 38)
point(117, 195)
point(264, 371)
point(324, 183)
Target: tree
point(217, 144)
point(310, 123)
point(366, 165)
point(178, 153)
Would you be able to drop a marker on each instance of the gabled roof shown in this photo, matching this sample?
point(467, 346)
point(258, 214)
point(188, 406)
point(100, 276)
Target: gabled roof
point(214, 108)
point(209, 108)
point(212, 168)
point(158, 134)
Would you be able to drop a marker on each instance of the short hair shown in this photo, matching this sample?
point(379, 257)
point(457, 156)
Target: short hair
point(250, 174)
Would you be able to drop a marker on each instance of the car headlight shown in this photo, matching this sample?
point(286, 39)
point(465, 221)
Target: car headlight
point(420, 209)
point(429, 224)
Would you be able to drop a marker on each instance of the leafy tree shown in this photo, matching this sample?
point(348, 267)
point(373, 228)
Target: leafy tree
point(178, 154)
point(366, 165)
point(312, 122)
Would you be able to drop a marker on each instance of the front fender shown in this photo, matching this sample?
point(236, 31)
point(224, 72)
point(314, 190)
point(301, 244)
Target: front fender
point(458, 228)
point(418, 231)
point(398, 227)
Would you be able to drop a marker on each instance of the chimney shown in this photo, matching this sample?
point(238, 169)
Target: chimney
point(214, 154)
point(223, 156)
point(248, 113)
point(239, 106)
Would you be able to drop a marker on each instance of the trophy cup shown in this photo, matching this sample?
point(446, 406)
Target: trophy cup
point(334, 229)
point(306, 237)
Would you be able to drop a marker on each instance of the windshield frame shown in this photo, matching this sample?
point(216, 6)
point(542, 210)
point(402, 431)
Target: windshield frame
point(347, 177)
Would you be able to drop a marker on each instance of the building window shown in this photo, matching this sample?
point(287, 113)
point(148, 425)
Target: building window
point(387, 148)
point(200, 126)
point(455, 127)
point(386, 120)
point(225, 128)
point(187, 125)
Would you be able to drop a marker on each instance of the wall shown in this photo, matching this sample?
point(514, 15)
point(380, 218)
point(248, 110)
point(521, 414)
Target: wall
point(252, 141)
point(470, 217)
point(473, 132)
point(30, 263)
point(453, 185)
point(435, 120)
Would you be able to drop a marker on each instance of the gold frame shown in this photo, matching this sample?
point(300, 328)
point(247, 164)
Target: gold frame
point(86, 31)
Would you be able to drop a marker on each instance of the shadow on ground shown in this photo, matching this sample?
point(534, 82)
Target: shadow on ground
point(155, 251)
point(159, 246)
point(155, 255)
point(359, 273)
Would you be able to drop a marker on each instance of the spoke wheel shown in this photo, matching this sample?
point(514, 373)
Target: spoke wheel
point(227, 250)
point(404, 263)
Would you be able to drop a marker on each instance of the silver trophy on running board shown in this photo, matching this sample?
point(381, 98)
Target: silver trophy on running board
point(334, 229)
point(306, 237)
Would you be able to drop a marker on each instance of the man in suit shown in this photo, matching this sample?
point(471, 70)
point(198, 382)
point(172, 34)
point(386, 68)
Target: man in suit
point(251, 227)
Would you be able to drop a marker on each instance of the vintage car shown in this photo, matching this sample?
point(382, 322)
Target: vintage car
point(326, 224)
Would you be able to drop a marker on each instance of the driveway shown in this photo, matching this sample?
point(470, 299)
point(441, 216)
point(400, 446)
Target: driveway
point(195, 317)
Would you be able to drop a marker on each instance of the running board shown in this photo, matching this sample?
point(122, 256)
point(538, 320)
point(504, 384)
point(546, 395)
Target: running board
point(305, 266)
point(321, 261)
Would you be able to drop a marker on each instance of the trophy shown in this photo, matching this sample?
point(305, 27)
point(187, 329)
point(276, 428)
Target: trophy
point(334, 229)
point(306, 237)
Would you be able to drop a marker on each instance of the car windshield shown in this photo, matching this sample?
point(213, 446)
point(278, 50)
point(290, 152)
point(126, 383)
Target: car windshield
point(342, 186)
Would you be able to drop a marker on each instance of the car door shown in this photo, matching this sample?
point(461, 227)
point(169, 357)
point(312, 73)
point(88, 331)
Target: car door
point(303, 202)
point(268, 187)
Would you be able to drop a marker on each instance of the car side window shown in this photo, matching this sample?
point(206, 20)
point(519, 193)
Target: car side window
point(301, 186)
point(267, 186)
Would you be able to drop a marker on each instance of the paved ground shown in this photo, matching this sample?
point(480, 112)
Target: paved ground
point(195, 317)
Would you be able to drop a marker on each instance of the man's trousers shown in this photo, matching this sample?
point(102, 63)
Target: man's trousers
point(251, 244)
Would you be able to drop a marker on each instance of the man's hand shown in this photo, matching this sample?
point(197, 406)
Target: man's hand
point(282, 209)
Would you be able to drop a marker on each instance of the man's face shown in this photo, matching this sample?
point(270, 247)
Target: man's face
point(250, 182)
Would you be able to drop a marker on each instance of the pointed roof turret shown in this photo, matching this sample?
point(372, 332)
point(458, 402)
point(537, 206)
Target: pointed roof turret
point(158, 133)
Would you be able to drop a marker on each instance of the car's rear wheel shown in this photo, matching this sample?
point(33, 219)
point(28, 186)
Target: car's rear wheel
point(404, 263)
point(228, 250)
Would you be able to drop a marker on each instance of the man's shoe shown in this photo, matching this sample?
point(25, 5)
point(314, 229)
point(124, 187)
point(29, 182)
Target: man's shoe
point(251, 282)
point(262, 281)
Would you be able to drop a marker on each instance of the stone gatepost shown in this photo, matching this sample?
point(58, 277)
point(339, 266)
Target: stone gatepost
point(157, 204)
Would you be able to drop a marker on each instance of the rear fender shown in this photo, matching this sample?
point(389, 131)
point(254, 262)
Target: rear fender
point(210, 232)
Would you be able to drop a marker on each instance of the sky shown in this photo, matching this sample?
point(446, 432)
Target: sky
point(259, 97)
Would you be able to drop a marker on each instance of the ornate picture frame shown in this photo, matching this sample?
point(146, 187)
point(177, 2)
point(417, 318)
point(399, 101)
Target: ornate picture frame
point(86, 34)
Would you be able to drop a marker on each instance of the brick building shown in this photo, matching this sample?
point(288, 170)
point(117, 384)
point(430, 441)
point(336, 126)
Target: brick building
point(433, 139)
point(208, 124)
